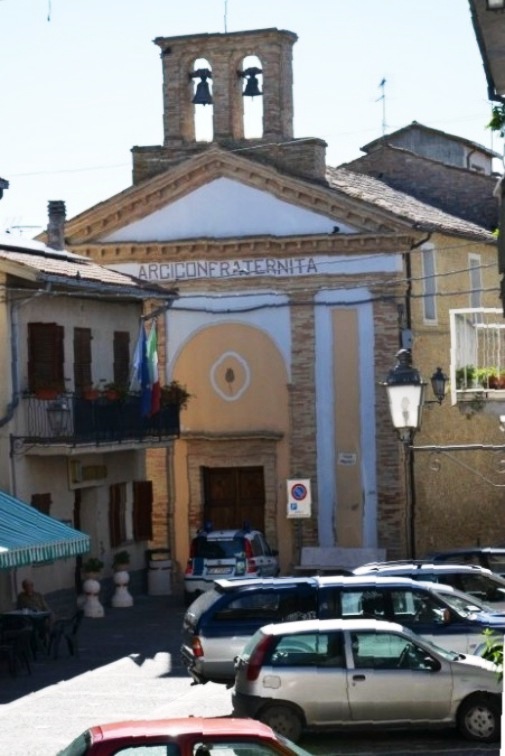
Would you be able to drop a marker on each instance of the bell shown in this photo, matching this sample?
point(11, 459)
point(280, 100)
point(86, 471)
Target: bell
point(202, 94)
point(251, 88)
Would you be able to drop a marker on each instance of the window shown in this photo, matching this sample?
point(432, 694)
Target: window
point(82, 359)
point(142, 510)
point(117, 514)
point(41, 502)
point(121, 348)
point(429, 284)
point(309, 649)
point(380, 650)
point(474, 267)
point(130, 512)
point(45, 356)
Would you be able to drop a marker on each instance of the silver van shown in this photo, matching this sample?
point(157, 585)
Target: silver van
point(218, 624)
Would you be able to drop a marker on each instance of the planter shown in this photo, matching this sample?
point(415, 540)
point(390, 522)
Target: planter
point(91, 394)
point(47, 393)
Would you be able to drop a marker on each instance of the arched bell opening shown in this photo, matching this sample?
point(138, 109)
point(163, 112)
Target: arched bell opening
point(251, 79)
point(201, 97)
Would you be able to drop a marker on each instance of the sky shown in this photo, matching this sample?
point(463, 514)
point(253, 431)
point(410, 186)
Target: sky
point(81, 83)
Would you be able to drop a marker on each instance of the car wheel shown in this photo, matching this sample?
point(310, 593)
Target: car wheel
point(479, 719)
point(284, 720)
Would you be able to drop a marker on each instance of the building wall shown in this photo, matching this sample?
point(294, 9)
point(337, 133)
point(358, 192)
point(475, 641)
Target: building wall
point(28, 470)
point(456, 190)
point(459, 493)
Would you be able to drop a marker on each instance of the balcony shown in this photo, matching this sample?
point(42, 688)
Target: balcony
point(69, 419)
point(477, 371)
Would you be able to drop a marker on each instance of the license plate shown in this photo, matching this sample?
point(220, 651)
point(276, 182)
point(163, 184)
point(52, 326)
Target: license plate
point(219, 570)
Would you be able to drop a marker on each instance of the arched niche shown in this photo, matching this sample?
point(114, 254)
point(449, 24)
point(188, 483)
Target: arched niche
point(201, 92)
point(251, 81)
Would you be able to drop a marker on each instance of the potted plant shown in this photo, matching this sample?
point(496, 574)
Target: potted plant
point(121, 561)
point(91, 393)
point(174, 393)
point(92, 566)
point(466, 377)
point(114, 391)
point(48, 389)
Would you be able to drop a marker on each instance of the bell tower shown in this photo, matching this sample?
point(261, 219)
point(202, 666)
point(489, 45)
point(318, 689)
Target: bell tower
point(223, 80)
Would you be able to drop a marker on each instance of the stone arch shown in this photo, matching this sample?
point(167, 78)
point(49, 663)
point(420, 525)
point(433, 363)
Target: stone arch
point(201, 83)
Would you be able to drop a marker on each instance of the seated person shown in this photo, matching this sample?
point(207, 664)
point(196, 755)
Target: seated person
point(30, 599)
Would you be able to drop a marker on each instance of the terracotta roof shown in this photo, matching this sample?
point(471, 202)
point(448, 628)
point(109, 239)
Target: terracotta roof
point(402, 206)
point(69, 269)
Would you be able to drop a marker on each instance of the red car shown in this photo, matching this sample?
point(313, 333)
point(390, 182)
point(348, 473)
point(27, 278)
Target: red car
point(188, 736)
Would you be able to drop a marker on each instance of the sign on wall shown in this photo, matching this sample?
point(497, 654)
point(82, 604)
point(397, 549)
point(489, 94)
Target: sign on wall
point(299, 498)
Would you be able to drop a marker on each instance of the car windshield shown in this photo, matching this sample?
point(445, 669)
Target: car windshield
point(497, 563)
point(428, 644)
point(213, 549)
point(463, 604)
point(292, 746)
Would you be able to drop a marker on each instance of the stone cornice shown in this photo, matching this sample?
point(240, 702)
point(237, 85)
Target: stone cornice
point(265, 435)
point(138, 201)
point(114, 252)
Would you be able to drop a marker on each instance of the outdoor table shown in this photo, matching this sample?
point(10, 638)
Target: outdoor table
point(38, 622)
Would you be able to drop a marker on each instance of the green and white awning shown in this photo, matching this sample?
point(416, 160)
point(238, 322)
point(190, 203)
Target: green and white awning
point(27, 536)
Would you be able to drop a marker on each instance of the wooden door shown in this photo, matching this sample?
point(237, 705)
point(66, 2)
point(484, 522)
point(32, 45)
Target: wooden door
point(234, 496)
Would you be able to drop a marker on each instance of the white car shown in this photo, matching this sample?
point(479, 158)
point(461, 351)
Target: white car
point(337, 674)
point(218, 554)
point(472, 579)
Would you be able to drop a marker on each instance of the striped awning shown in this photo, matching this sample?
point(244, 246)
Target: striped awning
point(27, 536)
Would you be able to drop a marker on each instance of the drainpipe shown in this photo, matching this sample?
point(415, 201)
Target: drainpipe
point(410, 481)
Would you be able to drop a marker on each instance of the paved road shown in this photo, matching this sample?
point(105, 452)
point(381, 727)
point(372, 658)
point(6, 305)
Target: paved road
point(129, 668)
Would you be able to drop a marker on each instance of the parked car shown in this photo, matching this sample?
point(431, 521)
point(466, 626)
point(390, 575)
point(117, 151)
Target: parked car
point(332, 674)
point(191, 736)
point(470, 578)
point(490, 557)
point(227, 553)
point(218, 624)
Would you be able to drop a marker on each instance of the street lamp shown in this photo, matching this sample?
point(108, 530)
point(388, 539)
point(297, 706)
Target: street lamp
point(405, 389)
point(58, 414)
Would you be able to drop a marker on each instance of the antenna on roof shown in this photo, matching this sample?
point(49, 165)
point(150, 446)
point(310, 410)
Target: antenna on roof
point(382, 86)
point(225, 16)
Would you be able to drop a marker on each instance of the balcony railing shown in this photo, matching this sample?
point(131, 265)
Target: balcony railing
point(72, 419)
point(477, 355)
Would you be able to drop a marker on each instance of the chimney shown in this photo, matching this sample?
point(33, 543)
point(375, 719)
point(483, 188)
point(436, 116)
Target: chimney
point(56, 224)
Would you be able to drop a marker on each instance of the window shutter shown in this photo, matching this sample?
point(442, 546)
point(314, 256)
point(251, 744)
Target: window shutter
point(82, 358)
point(117, 506)
point(142, 510)
point(41, 502)
point(121, 358)
point(45, 356)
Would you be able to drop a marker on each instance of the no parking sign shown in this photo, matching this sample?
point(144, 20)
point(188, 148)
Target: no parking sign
point(299, 498)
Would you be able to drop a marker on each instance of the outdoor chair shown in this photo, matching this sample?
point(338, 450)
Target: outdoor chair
point(67, 628)
point(16, 646)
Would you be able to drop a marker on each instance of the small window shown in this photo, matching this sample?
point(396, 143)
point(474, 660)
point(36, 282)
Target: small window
point(475, 272)
point(429, 284)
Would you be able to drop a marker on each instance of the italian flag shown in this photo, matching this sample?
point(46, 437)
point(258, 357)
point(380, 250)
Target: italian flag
point(152, 361)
